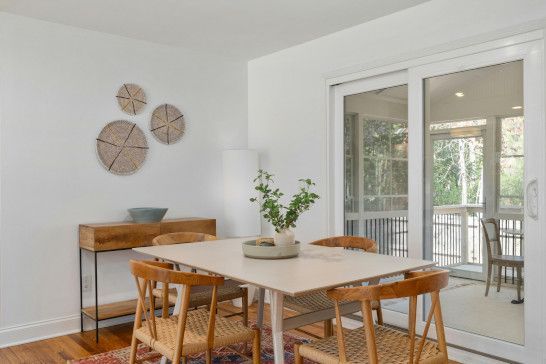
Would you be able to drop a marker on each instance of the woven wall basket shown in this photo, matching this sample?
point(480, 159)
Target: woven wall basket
point(131, 98)
point(122, 147)
point(167, 124)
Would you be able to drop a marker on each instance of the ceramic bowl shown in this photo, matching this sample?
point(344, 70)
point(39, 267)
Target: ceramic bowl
point(251, 250)
point(147, 214)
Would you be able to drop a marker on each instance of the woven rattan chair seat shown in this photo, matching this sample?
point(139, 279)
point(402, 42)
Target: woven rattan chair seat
point(315, 301)
point(203, 298)
point(227, 332)
point(508, 260)
point(392, 348)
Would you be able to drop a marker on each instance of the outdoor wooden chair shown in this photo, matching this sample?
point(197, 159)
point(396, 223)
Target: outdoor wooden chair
point(491, 232)
point(201, 296)
point(318, 301)
point(192, 331)
point(380, 344)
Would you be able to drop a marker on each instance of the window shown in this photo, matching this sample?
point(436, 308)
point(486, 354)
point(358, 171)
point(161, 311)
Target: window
point(351, 164)
point(385, 159)
point(510, 163)
point(457, 124)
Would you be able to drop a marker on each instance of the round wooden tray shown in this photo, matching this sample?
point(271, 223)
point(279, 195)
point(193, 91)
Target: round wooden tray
point(251, 250)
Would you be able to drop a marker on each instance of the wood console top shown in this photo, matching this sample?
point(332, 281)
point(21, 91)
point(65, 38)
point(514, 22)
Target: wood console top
point(127, 234)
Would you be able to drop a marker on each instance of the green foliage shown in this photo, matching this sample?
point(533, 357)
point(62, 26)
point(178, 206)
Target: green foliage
point(279, 215)
point(458, 168)
point(457, 162)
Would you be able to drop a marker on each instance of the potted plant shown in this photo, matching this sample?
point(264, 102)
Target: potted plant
point(282, 217)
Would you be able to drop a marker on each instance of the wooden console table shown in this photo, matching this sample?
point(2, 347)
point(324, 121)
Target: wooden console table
point(107, 237)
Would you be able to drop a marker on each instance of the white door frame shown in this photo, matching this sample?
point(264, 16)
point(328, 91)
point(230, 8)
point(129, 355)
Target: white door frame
point(527, 47)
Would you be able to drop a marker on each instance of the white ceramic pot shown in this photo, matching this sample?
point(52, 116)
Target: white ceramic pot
point(284, 238)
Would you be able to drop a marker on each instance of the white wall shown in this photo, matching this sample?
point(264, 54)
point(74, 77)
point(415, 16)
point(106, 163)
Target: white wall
point(286, 90)
point(57, 90)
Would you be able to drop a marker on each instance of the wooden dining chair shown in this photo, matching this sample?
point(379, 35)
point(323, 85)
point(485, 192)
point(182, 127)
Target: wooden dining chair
point(381, 344)
point(201, 296)
point(192, 331)
point(495, 257)
point(318, 301)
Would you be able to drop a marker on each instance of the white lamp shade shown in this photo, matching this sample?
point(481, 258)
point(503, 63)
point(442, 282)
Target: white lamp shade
point(242, 218)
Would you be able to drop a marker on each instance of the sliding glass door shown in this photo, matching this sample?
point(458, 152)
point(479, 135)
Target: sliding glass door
point(473, 130)
point(421, 157)
point(477, 118)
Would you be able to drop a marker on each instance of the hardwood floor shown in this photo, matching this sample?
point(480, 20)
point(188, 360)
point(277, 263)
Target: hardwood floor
point(81, 345)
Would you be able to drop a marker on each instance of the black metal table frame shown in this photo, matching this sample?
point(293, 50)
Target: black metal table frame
point(82, 313)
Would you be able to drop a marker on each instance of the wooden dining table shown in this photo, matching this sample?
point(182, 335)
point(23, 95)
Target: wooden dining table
point(316, 268)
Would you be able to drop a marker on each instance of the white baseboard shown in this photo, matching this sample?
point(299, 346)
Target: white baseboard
point(45, 329)
point(21, 334)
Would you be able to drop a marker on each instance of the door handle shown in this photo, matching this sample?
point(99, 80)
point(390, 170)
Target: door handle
point(531, 202)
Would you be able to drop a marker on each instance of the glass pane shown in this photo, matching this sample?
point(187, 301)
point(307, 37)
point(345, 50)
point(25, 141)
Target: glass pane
point(374, 204)
point(376, 169)
point(457, 124)
point(370, 177)
point(399, 140)
point(400, 203)
point(512, 136)
point(350, 124)
point(472, 117)
point(376, 137)
point(399, 177)
point(383, 176)
point(510, 164)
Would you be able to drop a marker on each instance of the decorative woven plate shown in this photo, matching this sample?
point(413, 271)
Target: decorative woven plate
point(131, 98)
point(167, 124)
point(122, 147)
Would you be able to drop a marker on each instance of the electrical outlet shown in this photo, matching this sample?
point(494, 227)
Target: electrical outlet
point(87, 283)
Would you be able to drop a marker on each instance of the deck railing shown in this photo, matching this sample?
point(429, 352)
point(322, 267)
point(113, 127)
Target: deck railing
point(457, 233)
point(390, 233)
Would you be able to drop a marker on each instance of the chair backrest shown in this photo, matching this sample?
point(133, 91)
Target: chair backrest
point(353, 242)
point(491, 233)
point(147, 273)
point(413, 285)
point(181, 238)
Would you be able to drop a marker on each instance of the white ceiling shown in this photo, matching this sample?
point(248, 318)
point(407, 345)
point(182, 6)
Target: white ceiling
point(242, 29)
point(488, 91)
point(486, 82)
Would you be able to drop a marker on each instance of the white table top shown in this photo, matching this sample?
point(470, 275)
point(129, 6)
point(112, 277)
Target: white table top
point(314, 269)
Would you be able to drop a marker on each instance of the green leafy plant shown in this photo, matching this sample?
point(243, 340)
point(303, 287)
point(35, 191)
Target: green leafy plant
point(281, 216)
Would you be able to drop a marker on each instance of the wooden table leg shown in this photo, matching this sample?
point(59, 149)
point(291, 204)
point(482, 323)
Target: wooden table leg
point(261, 298)
point(277, 303)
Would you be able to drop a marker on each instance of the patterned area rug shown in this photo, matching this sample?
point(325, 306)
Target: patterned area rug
point(234, 354)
